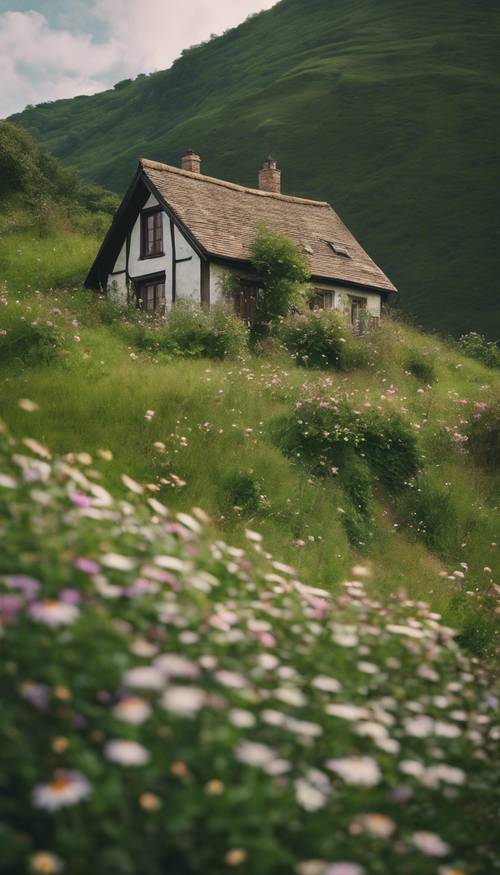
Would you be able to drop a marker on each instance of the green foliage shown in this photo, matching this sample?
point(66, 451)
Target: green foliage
point(484, 436)
point(49, 193)
point(28, 343)
point(357, 483)
point(477, 347)
point(322, 339)
point(192, 332)
point(438, 516)
point(282, 270)
point(324, 432)
point(174, 705)
point(421, 366)
point(242, 491)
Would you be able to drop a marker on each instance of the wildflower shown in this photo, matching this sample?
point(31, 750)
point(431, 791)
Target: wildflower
point(173, 665)
point(348, 712)
point(235, 857)
point(117, 562)
point(251, 753)
point(214, 788)
point(76, 338)
point(132, 484)
point(107, 455)
point(179, 769)
point(149, 801)
point(361, 771)
point(344, 869)
point(144, 678)
point(148, 416)
point(312, 791)
point(326, 684)
point(66, 788)
point(132, 710)
point(430, 844)
point(377, 825)
point(60, 744)
point(45, 863)
point(242, 719)
point(184, 701)
point(126, 753)
point(53, 613)
point(28, 405)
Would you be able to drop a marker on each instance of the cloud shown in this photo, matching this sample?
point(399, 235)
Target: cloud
point(116, 39)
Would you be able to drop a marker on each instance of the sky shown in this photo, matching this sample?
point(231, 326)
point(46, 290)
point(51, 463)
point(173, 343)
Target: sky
point(60, 48)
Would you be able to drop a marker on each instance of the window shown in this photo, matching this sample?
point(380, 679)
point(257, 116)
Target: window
point(358, 309)
point(151, 234)
point(323, 300)
point(151, 294)
point(338, 248)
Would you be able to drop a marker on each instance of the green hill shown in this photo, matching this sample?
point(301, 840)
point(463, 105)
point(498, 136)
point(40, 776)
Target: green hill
point(51, 221)
point(387, 109)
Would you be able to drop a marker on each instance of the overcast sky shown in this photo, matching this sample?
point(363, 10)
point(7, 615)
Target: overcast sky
point(60, 48)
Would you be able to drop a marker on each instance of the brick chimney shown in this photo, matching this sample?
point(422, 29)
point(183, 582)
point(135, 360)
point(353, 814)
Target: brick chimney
point(270, 177)
point(191, 161)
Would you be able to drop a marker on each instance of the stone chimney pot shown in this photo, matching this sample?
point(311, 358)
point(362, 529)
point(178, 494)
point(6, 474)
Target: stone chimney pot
point(270, 176)
point(191, 161)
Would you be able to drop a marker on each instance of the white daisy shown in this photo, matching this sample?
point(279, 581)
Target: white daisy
point(358, 770)
point(144, 678)
point(430, 844)
point(54, 613)
point(173, 665)
point(126, 753)
point(312, 791)
point(252, 753)
point(241, 718)
point(66, 788)
point(348, 712)
point(326, 684)
point(377, 825)
point(184, 701)
point(132, 710)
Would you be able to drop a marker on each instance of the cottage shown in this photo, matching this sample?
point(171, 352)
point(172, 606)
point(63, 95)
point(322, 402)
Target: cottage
point(178, 233)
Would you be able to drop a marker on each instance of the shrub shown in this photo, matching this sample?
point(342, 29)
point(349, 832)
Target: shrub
point(477, 347)
point(326, 433)
point(420, 366)
point(177, 706)
point(484, 436)
point(29, 343)
point(282, 270)
point(242, 491)
point(322, 340)
point(192, 332)
point(356, 481)
point(436, 516)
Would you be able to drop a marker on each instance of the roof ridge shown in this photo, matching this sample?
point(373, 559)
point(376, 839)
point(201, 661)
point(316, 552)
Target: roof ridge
point(157, 165)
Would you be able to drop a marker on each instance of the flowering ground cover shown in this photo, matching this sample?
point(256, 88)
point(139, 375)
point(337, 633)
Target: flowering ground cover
point(203, 433)
point(175, 704)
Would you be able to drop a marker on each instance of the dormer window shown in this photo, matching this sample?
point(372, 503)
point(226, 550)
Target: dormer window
point(151, 233)
point(338, 248)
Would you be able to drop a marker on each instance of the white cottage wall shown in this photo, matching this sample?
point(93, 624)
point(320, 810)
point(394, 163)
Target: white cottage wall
point(187, 272)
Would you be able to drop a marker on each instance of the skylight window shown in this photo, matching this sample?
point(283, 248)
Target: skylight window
point(338, 248)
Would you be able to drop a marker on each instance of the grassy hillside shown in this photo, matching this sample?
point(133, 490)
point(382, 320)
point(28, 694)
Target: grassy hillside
point(51, 221)
point(387, 109)
point(209, 439)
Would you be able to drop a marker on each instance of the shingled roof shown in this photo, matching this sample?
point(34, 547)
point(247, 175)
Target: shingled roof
point(224, 218)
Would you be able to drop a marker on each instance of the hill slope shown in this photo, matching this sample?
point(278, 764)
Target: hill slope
point(385, 108)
